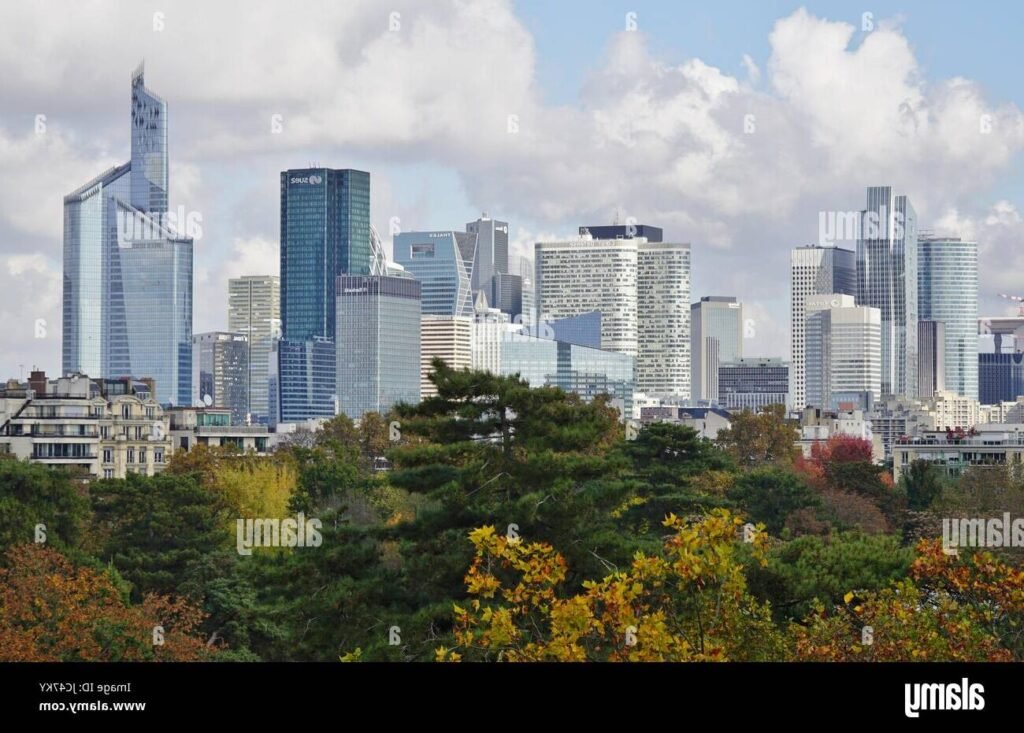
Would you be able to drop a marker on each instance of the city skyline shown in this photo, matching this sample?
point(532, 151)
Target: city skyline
point(719, 189)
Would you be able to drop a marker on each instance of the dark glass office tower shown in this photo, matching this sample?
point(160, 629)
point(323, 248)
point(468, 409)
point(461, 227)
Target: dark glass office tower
point(325, 233)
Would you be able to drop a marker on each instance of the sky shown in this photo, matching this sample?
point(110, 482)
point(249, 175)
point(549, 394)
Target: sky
point(734, 126)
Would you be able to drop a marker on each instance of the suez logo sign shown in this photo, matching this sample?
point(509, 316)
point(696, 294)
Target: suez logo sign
point(311, 180)
point(962, 695)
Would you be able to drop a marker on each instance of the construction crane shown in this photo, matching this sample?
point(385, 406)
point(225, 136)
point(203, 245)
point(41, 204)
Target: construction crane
point(1016, 299)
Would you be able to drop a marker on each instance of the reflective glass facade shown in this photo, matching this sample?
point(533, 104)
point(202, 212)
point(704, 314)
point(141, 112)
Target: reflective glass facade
point(378, 348)
point(325, 232)
point(577, 369)
point(948, 293)
point(301, 381)
point(127, 287)
point(887, 279)
point(1001, 377)
point(443, 263)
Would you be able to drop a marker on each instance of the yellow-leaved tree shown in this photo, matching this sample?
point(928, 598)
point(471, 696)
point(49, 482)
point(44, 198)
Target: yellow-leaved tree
point(688, 603)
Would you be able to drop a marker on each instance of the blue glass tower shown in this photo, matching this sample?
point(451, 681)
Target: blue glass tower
point(325, 233)
point(127, 288)
point(443, 263)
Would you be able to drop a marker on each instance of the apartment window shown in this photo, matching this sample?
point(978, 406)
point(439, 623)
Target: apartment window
point(158, 455)
point(126, 411)
point(131, 455)
point(142, 455)
point(105, 431)
point(150, 412)
point(108, 455)
point(108, 473)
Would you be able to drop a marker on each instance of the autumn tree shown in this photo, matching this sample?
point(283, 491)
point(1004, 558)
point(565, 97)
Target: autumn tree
point(949, 609)
point(54, 611)
point(687, 603)
point(762, 438)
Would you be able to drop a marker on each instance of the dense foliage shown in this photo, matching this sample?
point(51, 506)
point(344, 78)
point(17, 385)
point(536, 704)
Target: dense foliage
point(499, 522)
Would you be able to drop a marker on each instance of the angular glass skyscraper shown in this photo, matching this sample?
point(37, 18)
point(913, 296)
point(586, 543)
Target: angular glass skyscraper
point(127, 291)
point(443, 263)
point(325, 232)
point(887, 280)
point(947, 280)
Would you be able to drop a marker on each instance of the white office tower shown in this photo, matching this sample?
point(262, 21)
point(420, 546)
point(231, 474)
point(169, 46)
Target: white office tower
point(447, 337)
point(641, 289)
point(887, 280)
point(716, 336)
point(844, 369)
point(254, 309)
point(814, 270)
point(490, 328)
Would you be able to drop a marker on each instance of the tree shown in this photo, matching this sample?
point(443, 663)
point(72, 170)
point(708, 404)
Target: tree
point(152, 528)
point(32, 495)
point(810, 569)
point(770, 495)
point(764, 438)
point(53, 611)
point(949, 609)
point(687, 603)
point(922, 484)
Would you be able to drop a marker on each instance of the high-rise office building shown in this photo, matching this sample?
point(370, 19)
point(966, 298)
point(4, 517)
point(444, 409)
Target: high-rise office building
point(449, 338)
point(254, 309)
point(719, 318)
point(301, 380)
point(752, 384)
point(663, 319)
point(642, 291)
point(127, 287)
point(931, 359)
point(325, 233)
point(583, 275)
point(843, 353)
point(814, 270)
point(887, 279)
point(378, 347)
point(1000, 360)
point(442, 261)
point(220, 371)
point(529, 316)
point(947, 281)
point(490, 252)
point(506, 294)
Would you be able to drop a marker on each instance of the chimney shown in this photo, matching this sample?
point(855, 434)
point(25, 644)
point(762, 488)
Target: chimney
point(37, 381)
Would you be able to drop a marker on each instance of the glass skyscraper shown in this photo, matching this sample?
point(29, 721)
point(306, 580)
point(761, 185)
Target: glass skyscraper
point(378, 349)
point(887, 279)
point(325, 232)
point(713, 317)
point(443, 263)
point(254, 309)
point(947, 279)
point(127, 288)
